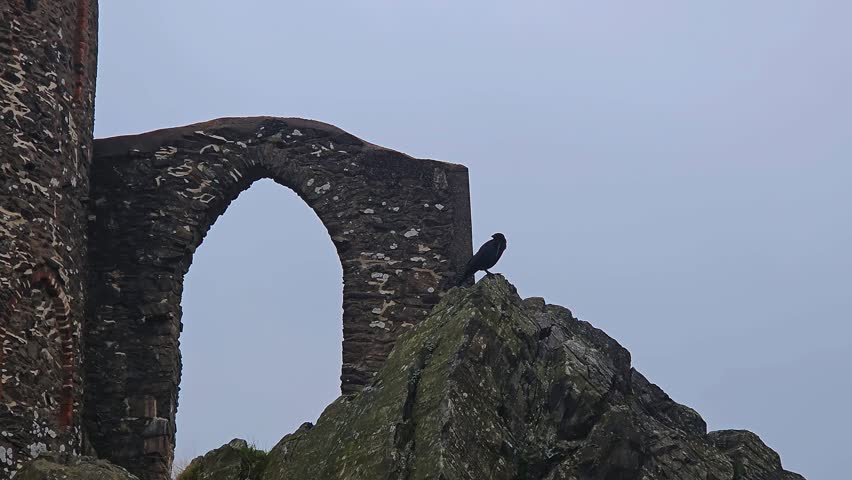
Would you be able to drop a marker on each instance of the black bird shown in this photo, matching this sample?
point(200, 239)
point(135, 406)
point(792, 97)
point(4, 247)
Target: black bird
point(485, 258)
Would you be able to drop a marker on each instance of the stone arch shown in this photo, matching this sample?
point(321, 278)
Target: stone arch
point(401, 227)
point(269, 264)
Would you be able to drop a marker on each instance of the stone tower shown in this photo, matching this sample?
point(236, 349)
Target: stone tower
point(47, 77)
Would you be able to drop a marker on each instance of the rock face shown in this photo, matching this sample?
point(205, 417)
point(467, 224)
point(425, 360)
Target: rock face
point(80, 468)
point(494, 387)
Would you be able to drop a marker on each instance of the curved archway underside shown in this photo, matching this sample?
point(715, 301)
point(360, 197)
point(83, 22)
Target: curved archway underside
point(401, 227)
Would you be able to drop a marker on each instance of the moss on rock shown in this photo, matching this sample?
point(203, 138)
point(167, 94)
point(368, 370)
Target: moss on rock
point(491, 386)
point(59, 467)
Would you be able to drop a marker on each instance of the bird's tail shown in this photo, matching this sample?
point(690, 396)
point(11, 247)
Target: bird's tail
point(459, 281)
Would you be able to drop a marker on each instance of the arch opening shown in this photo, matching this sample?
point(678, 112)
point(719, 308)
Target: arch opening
point(261, 343)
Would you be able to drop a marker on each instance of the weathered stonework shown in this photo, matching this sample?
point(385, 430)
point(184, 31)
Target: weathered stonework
point(90, 285)
point(47, 78)
point(401, 227)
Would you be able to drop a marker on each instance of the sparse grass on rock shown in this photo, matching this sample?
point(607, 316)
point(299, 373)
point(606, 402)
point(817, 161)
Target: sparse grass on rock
point(236, 460)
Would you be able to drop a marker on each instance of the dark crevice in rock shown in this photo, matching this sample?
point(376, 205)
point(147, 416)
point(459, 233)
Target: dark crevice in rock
point(404, 441)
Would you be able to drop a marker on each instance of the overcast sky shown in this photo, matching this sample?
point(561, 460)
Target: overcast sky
point(678, 173)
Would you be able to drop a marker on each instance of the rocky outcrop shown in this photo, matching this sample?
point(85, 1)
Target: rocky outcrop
point(79, 468)
point(494, 387)
point(751, 458)
point(236, 460)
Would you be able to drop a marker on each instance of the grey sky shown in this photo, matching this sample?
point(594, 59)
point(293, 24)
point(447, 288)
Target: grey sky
point(677, 173)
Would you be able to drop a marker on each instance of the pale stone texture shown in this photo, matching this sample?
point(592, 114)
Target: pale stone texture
point(47, 78)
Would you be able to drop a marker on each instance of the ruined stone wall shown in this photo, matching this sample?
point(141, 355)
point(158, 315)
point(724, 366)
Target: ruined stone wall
point(401, 227)
point(47, 79)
